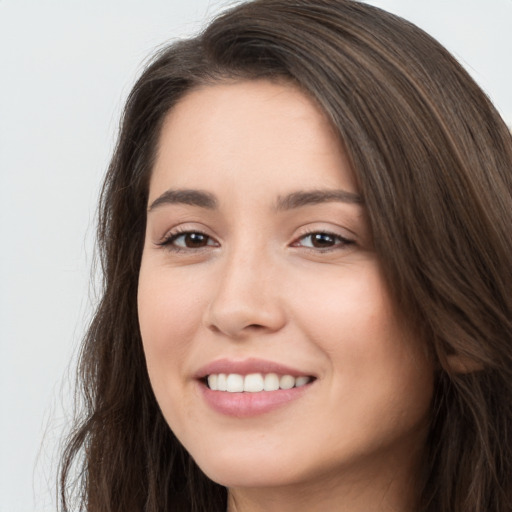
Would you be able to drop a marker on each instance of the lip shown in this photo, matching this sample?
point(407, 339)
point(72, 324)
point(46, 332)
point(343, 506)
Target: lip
point(244, 405)
point(247, 366)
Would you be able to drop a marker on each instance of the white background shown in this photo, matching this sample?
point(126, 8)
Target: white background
point(66, 67)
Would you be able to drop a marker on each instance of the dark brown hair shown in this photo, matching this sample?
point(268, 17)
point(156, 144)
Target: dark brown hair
point(433, 162)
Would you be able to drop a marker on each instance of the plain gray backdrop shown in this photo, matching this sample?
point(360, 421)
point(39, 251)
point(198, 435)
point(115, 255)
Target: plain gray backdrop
point(66, 67)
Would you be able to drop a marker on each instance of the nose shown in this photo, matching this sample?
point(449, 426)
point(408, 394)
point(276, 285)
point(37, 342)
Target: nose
point(247, 297)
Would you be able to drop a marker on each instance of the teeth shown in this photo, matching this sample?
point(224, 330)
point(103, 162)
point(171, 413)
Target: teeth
point(301, 381)
point(213, 381)
point(271, 382)
point(254, 382)
point(286, 382)
point(235, 383)
point(222, 384)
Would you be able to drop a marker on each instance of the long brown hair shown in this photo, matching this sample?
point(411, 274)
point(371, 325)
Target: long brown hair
point(433, 161)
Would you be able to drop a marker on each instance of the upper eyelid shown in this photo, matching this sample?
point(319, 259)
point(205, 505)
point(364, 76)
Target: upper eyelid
point(170, 235)
point(341, 238)
point(197, 225)
point(300, 232)
point(176, 233)
point(184, 229)
point(347, 234)
point(323, 232)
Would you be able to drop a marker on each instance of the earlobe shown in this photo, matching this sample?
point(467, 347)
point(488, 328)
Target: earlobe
point(460, 364)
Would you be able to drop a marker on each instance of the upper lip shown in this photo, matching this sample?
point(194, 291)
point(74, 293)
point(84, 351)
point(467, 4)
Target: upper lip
point(247, 366)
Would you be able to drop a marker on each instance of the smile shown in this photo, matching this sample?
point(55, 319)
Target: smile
point(254, 382)
point(251, 387)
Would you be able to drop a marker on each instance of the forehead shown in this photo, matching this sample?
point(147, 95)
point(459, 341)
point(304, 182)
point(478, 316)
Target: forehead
point(254, 134)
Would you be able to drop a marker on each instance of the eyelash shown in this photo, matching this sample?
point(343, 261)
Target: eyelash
point(340, 241)
point(168, 241)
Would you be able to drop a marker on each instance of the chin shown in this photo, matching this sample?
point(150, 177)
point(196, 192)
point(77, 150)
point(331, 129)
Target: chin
point(237, 472)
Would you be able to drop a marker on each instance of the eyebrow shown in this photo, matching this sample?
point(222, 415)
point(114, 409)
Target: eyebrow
point(306, 198)
point(291, 201)
point(185, 196)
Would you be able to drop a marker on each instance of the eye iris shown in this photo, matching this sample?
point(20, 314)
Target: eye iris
point(194, 240)
point(322, 240)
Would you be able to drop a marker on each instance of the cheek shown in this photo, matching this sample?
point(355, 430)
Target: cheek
point(169, 316)
point(170, 312)
point(370, 352)
point(345, 310)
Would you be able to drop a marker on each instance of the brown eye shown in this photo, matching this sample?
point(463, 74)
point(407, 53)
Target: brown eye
point(193, 240)
point(188, 240)
point(321, 240)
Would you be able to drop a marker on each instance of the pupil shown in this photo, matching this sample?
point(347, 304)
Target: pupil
point(195, 240)
point(322, 240)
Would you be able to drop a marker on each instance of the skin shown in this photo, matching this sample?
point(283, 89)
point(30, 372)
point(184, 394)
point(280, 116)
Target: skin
point(257, 286)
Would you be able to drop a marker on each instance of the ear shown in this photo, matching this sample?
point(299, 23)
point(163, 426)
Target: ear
point(458, 363)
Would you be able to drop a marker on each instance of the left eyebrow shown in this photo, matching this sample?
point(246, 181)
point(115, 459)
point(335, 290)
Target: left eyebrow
point(306, 198)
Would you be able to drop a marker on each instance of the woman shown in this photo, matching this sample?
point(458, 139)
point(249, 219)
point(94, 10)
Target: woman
point(307, 260)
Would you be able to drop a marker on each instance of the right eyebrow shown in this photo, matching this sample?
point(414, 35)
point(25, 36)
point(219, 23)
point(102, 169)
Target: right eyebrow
point(185, 196)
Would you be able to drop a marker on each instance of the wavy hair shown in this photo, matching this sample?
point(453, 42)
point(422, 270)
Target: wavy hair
point(433, 161)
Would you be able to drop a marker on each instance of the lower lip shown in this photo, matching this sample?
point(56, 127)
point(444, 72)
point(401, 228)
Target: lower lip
point(243, 405)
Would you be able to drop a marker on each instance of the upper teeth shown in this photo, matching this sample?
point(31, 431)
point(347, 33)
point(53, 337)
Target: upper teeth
point(254, 382)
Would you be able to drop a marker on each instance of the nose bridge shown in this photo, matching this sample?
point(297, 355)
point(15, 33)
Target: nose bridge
point(247, 292)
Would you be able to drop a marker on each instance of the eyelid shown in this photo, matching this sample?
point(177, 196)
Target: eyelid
point(343, 241)
point(173, 234)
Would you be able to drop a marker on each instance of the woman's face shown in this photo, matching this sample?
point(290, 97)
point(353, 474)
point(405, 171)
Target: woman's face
point(258, 272)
